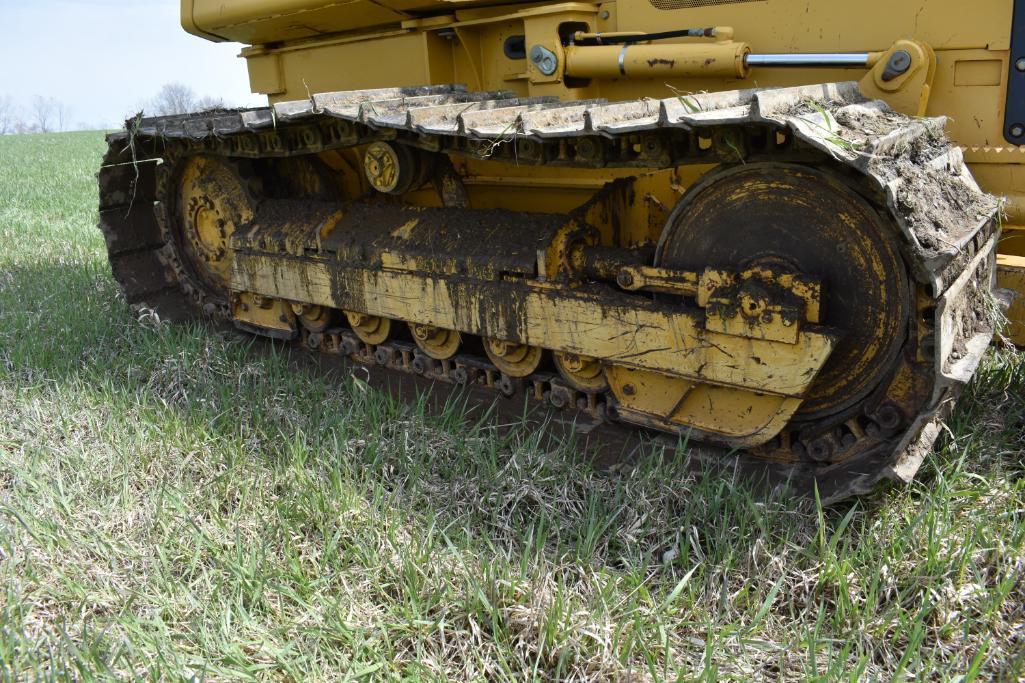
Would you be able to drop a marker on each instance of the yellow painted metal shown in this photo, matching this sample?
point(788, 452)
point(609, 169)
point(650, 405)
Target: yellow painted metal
point(1011, 275)
point(254, 21)
point(454, 42)
point(745, 418)
point(959, 70)
point(371, 329)
point(212, 204)
point(265, 313)
point(652, 279)
point(759, 303)
point(515, 360)
point(909, 92)
point(391, 168)
point(663, 339)
point(680, 60)
point(313, 318)
point(436, 342)
point(381, 164)
point(969, 40)
point(581, 372)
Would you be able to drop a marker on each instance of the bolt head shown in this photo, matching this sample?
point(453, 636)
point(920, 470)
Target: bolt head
point(1020, 64)
point(820, 449)
point(652, 145)
point(900, 60)
point(1017, 130)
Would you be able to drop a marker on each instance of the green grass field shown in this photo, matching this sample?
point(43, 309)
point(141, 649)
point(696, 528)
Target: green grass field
point(177, 503)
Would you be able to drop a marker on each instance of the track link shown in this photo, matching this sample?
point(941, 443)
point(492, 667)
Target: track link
point(947, 225)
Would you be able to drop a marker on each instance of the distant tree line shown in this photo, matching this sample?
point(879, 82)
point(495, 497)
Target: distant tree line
point(43, 115)
point(50, 115)
point(178, 98)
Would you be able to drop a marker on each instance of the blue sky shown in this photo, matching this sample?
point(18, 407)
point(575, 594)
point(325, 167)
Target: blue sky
point(106, 58)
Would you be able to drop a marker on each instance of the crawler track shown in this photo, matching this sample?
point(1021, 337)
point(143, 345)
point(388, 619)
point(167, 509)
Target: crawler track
point(947, 227)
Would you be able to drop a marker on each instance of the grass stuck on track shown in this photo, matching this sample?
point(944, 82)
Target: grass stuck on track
point(175, 503)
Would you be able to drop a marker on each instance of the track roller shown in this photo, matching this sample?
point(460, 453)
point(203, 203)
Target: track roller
point(583, 373)
point(313, 318)
point(371, 329)
point(436, 342)
point(515, 360)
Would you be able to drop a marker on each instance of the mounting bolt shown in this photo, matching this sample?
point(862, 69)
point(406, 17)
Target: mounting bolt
point(624, 279)
point(506, 386)
point(821, 449)
point(418, 366)
point(383, 355)
point(1020, 64)
point(897, 65)
point(587, 149)
point(555, 398)
point(1017, 130)
point(888, 416)
point(544, 59)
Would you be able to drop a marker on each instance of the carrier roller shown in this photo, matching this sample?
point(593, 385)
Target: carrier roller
point(801, 301)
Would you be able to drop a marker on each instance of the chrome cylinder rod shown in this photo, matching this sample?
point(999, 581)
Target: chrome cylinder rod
point(839, 59)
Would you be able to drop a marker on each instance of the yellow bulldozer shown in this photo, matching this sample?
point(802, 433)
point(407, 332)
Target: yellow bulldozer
point(784, 226)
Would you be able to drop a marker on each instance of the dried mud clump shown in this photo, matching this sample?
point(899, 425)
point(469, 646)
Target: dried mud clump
point(934, 197)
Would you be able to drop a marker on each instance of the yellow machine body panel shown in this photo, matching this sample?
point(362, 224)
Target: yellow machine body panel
point(309, 46)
